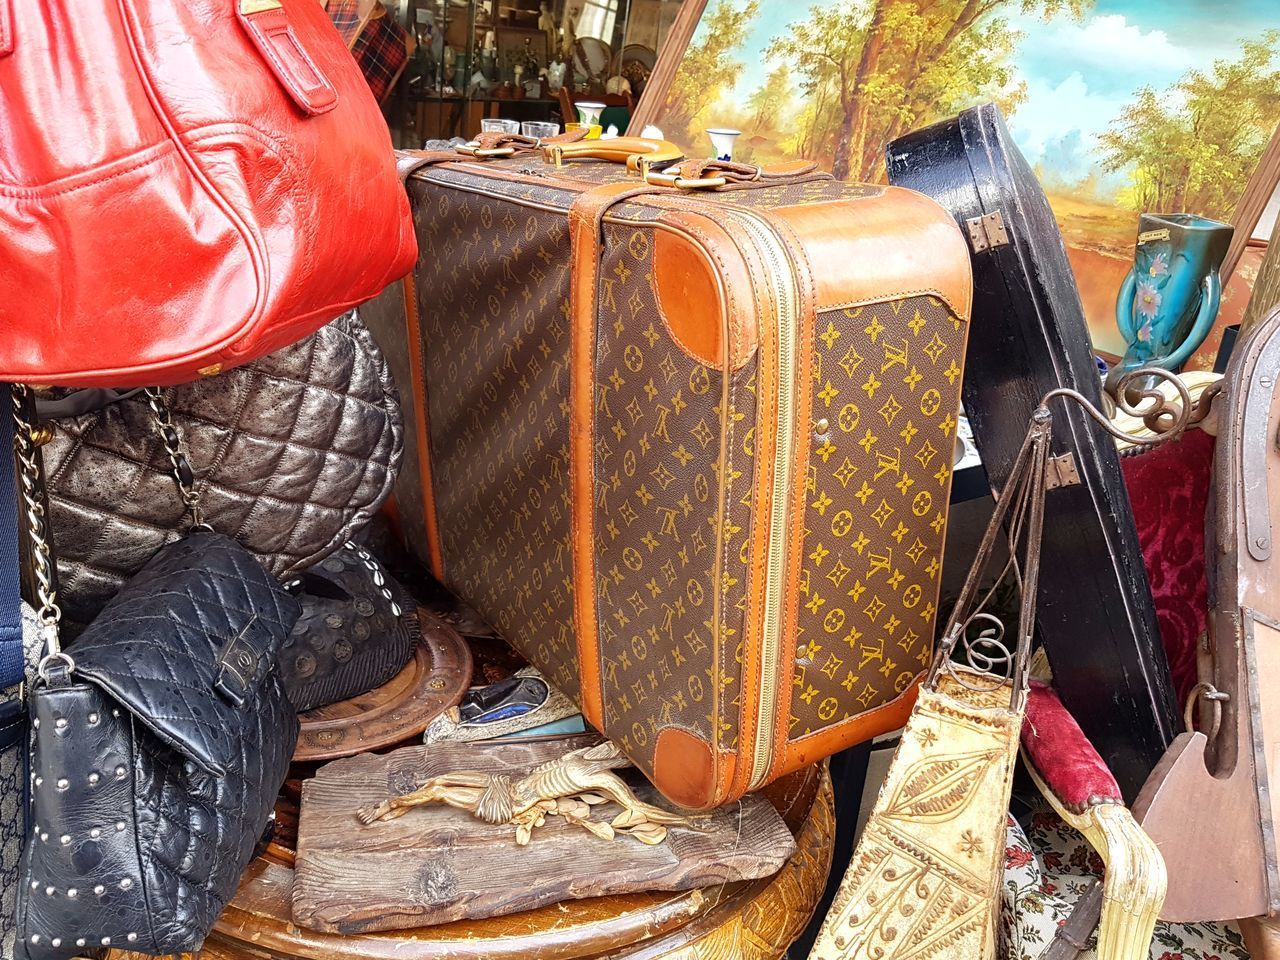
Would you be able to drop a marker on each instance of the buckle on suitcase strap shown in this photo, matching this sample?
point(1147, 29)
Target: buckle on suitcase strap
point(710, 174)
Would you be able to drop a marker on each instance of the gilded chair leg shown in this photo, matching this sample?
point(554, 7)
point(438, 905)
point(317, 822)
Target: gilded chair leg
point(1134, 879)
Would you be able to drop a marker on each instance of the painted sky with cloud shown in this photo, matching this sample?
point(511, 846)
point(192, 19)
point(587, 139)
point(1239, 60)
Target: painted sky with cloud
point(1080, 74)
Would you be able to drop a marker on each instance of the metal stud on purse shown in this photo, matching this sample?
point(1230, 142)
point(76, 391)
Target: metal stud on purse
point(160, 738)
point(924, 879)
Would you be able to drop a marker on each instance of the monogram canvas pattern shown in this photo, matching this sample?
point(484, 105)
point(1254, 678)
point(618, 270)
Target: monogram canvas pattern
point(13, 774)
point(886, 386)
point(738, 533)
point(494, 280)
point(797, 194)
point(657, 511)
point(674, 463)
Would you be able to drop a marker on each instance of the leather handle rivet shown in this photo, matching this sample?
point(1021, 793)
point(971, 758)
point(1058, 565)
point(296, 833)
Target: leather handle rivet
point(822, 426)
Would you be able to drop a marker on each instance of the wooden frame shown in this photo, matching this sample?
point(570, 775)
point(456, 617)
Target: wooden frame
point(1257, 193)
point(664, 70)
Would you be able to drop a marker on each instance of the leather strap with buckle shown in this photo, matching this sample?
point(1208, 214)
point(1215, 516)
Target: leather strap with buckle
point(712, 174)
point(491, 145)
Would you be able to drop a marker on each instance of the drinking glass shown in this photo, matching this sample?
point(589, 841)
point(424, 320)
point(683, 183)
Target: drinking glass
point(539, 129)
point(495, 125)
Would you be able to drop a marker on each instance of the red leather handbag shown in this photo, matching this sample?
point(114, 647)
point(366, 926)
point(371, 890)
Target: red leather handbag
point(185, 185)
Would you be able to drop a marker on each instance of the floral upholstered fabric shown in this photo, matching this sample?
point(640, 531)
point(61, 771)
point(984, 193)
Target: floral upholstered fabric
point(1048, 867)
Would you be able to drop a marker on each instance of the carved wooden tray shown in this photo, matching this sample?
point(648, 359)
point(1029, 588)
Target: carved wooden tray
point(434, 680)
point(756, 919)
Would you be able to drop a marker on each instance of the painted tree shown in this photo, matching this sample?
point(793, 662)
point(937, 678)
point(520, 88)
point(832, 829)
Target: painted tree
point(823, 50)
point(708, 67)
point(772, 99)
point(1193, 147)
point(892, 64)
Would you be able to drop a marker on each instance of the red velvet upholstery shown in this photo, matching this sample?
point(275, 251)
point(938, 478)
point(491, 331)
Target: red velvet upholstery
point(1169, 491)
point(1062, 755)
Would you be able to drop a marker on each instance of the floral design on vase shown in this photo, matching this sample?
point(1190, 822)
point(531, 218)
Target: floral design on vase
point(1168, 302)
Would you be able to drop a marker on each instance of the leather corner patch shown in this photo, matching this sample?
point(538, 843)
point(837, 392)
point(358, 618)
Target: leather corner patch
point(684, 769)
point(690, 297)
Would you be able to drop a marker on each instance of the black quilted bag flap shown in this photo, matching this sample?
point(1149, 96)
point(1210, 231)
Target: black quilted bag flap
point(184, 646)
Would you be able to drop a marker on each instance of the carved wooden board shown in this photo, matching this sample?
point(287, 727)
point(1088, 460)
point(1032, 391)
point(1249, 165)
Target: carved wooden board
point(754, 920)
point(434, 680)
point(437, 864)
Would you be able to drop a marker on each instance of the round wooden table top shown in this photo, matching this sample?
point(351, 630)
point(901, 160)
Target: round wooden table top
point(433, 680)
point(755, 920)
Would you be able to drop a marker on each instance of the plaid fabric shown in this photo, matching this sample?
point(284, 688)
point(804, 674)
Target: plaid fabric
point(345, 15)
point(382, 52)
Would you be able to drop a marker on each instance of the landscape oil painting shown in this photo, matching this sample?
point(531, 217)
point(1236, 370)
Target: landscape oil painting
point(1121, 106)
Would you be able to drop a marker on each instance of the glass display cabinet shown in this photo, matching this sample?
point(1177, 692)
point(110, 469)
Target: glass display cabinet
point(519, 59)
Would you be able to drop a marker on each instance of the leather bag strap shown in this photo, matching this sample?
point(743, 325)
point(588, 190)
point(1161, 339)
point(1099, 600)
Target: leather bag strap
point(11, 656)
point(586, 221)
point(267, 24)
point(6, 27)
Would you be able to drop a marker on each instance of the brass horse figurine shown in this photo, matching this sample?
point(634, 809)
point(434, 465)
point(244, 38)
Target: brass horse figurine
point(568, 787)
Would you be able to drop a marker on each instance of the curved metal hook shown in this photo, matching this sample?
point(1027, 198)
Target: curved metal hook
point(1169, 421)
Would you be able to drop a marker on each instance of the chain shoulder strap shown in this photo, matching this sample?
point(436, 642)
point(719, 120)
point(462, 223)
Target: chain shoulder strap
point(176, 447)
point(26, 450)
point(26, 444)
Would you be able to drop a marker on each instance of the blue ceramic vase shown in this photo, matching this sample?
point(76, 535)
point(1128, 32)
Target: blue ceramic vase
point(1169, 300)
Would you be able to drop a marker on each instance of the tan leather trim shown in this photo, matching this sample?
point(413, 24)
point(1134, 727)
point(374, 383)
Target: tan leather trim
point(806, 333)
point(421, 423)
point(691, 316)
point(686, 771)
point(789, 168)
point(902, 244)
point(831, 740)
point(765, 441)
point(585, 218)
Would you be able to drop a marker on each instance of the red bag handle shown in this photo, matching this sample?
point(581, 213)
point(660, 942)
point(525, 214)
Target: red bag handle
point(267, 24)
point(6, 28)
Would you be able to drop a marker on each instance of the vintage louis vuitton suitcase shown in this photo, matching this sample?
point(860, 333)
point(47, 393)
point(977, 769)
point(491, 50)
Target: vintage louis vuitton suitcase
point(1095, 615)
point(690, 450)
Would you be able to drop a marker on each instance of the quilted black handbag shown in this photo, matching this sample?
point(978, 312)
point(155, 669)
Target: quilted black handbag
point(161, 736)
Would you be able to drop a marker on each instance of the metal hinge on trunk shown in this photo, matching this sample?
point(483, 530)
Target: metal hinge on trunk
point(987, 232)
point(1061, 472)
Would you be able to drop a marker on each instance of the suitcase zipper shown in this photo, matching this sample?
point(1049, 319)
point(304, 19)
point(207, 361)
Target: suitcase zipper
point(775, 253)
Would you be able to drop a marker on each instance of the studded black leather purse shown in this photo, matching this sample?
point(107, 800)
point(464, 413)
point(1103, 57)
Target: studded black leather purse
point(161, 736)
point(357, 630)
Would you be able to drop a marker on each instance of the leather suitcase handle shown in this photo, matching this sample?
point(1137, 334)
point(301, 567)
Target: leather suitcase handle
point(638, 153)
